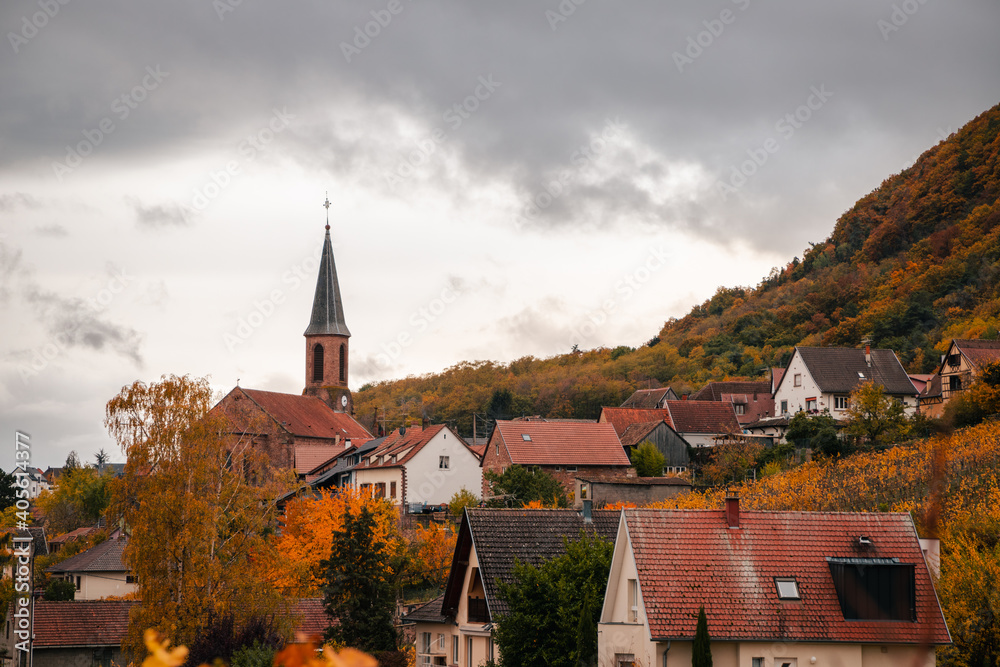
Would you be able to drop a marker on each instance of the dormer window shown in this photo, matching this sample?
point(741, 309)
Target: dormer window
point(788, 588)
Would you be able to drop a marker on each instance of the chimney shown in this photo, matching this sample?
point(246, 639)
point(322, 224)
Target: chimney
point(588, 514)
point(868, 351)
point(733, 511)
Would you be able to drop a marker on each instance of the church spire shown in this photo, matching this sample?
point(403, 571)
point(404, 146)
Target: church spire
point(328, 309)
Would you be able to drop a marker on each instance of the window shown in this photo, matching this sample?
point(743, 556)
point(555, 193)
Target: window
point(955, 383)
point(797, 379)
point(840, 402)
point(786, 662)
point(78, 583)
point(443, 462)
point(756, 662)
point(874, 589)
point(496, 450)
point(633, 601)
point(131, 579)
point(425, 642)
point(784, 407)
point(441, 644)
point(624, 660)
point(788, 588)
point(558, 468)
point(468, 651)
point(810, 405)
point(380, 490)
point(317, 363)
point(525, 437)
point(489, 650)
point(583, 492)
point(392, 489)
point(861, 376)
point(343, 362)
point(454, 649)
point(570, 468)
point(741, 408)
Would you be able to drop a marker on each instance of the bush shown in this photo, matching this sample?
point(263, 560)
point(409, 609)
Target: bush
point(648, 460)
point(257, 655)
point(60, 590)
point(462, 499)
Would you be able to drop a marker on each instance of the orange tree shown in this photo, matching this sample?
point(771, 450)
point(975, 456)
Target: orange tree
point(307, 536)
point(197, 503)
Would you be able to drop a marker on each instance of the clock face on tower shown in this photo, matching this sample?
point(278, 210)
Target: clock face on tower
point(343, 401)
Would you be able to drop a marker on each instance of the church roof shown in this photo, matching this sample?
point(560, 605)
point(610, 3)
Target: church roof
point(328, 310)
point(306, 416)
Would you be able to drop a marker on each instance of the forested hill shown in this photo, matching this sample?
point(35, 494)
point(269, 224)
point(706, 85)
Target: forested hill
point(913, 264)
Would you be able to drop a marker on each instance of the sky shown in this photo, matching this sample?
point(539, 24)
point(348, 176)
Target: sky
point(506, 178)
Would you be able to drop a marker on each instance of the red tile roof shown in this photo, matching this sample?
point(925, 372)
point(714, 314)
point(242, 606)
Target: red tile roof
point(714, 391)
point(561, 443)
point(688, 558)
point(979, 352)
point(310, 457)
point(304, 416)
point(81, 623)
point(311, 617)
point(407, 445)
point(703, 417)
point(622, 418)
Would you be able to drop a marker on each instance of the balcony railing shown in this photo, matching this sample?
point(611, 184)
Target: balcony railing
point(478, 613)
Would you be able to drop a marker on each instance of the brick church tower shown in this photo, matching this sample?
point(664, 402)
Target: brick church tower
point(327, 336)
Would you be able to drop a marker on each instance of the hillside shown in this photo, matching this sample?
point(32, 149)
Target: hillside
point(913, 264)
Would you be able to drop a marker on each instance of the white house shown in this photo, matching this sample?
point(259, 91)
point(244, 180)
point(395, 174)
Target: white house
point(415, 465)
point(779, 589)
point(98, 572)
point(822, 378)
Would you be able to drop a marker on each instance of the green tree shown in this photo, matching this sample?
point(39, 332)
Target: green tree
point(463, 498)
point(553, 608)
point(519, 486)
point(8, 490)
point(78, 501)
point(803, 427)
point(648, 460)
point(359, 589)
point(60, 590)
point(877, 418)
point(701, 652)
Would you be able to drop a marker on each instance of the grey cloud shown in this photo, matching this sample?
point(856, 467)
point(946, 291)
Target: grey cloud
point(17, 200)
point(159, 215)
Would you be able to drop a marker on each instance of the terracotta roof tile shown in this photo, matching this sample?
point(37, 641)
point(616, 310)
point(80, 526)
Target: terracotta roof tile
point(622, 418)
point(561, 443)
point(311, 617)
point(703, 417)
point(310, 457)
point(979, 352)
point(81, 623)
point(688, 558)
point(304, 416)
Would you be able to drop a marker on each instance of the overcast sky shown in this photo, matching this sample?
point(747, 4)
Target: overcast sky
point(506, 178)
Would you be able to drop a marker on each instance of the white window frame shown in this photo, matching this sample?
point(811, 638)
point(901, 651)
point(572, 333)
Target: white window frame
point(454, 648)
point(841, 402)
point(633, 600)
point(797, 380)
point(444, 462)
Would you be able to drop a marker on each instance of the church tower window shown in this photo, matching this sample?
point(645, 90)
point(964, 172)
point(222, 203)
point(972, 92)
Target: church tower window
point(318, 363)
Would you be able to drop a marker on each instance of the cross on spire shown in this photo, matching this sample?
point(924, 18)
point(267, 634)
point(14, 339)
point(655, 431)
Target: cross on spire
point(326, 205)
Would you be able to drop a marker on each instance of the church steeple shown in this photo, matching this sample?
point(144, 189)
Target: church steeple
point(327, 335)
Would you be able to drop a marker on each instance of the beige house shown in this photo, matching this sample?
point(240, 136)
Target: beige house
point(959, 367)
point(98, 573)
point(780, 589)
point(457, 628)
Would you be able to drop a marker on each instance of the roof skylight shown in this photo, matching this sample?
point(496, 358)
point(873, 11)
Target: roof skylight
point(788, 588)
point(526, 437)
